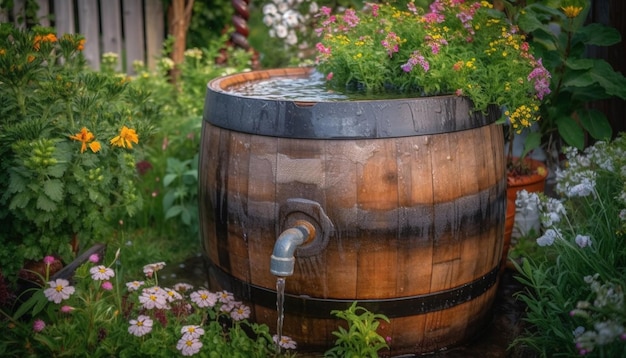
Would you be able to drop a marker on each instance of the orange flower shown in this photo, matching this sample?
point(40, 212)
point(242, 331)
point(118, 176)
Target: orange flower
point(30, 58)
point(85, 136)
point(80, 45)
point(43, 38)
point(124, 139)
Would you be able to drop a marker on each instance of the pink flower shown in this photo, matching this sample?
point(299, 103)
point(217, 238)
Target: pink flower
point(67, 309)
point(101, 273)
point(203, 298)
point(107, 285)
point(140, 326)
point(240, 313)
point(59, 290)
point(329, 76)
point(39, 325)
point(48, 260)
point(94, 258)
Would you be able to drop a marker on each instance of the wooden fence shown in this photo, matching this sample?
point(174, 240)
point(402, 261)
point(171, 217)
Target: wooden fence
point(133, 29)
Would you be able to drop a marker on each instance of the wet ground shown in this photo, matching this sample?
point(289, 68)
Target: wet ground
point(494, 342)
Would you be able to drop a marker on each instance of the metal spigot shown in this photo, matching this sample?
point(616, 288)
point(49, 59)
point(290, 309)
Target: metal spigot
point(283, 259)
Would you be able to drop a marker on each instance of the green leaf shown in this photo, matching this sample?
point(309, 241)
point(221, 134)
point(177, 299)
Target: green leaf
point(168, 179)
point(600, 35)
point(44, 203)
point(596, 123)
point(613, 82)
point(533, 140)
point(57, 170)
point(19, 201)
point(34, 304)
point(173, 211)
point(53, 188)
point(571, 132)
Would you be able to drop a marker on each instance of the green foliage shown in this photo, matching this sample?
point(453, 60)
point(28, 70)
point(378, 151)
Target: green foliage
point(96, 317)
point(69, 139)
point(576, 272)
point(457, 50)
point(360, 339)
point(181, 199)
point(562, 40)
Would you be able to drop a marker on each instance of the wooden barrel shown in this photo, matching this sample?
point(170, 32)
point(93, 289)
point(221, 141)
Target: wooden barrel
point(407, 197)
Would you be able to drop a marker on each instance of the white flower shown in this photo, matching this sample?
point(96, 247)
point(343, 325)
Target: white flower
point(268, 20)
point(189, 346)
point(134, 285)
point(151, 268)
point(313, 8)
point(269, 9)
point(172, 295)
point(153, 299)
point(140, 326)
point(203, 298)
point(281, 31)
point(101, 272)
point(183, 287)
point(192, 331)
point(59, 290)
point(578, 331)
point(285, 342)
point(547, 239)
point(225, 296)
point(292, 38)
point(241, 312)
point(583, 241)
point(291, 18)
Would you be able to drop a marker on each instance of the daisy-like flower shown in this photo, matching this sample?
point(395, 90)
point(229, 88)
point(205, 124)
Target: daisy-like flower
point(285, 342)
point(153, 299)
point(203, 298)
point(140, 326)
point(183, 287)
point(87, 139)
point(240, 312)
point(134, 285)
point(101, 272)
point(126, 138)
point(172, 295)
point(189, 346)
point(192, 331)
point(151, 268)
point(225, 296)
point(59, 290)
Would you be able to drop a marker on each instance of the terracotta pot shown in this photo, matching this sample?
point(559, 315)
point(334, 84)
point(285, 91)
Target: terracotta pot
point(533, 183)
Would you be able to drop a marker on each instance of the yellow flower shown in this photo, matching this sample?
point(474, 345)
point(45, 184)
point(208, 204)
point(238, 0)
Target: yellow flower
point(572, 11)
point(124, 139)
point(85, 136)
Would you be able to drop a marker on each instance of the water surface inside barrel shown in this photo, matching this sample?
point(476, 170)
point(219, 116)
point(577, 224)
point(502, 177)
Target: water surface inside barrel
point(407, 197)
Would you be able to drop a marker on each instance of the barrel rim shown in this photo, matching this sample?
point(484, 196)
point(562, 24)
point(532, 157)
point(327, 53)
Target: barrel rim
point(350, 119)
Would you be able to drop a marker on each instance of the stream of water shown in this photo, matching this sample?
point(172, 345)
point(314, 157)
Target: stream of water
point(280, 303)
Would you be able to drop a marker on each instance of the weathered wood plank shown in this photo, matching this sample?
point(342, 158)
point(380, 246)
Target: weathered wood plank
point(134, 43)
point(64, 17)
point(43, 13)
point(110, 14)
point(155, 31)
point(89, 26)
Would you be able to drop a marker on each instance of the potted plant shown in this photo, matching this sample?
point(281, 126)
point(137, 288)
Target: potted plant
point(561, 36)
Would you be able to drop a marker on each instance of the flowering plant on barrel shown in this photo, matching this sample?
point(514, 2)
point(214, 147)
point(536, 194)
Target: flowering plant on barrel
point(459, 47)
point(69, 141)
